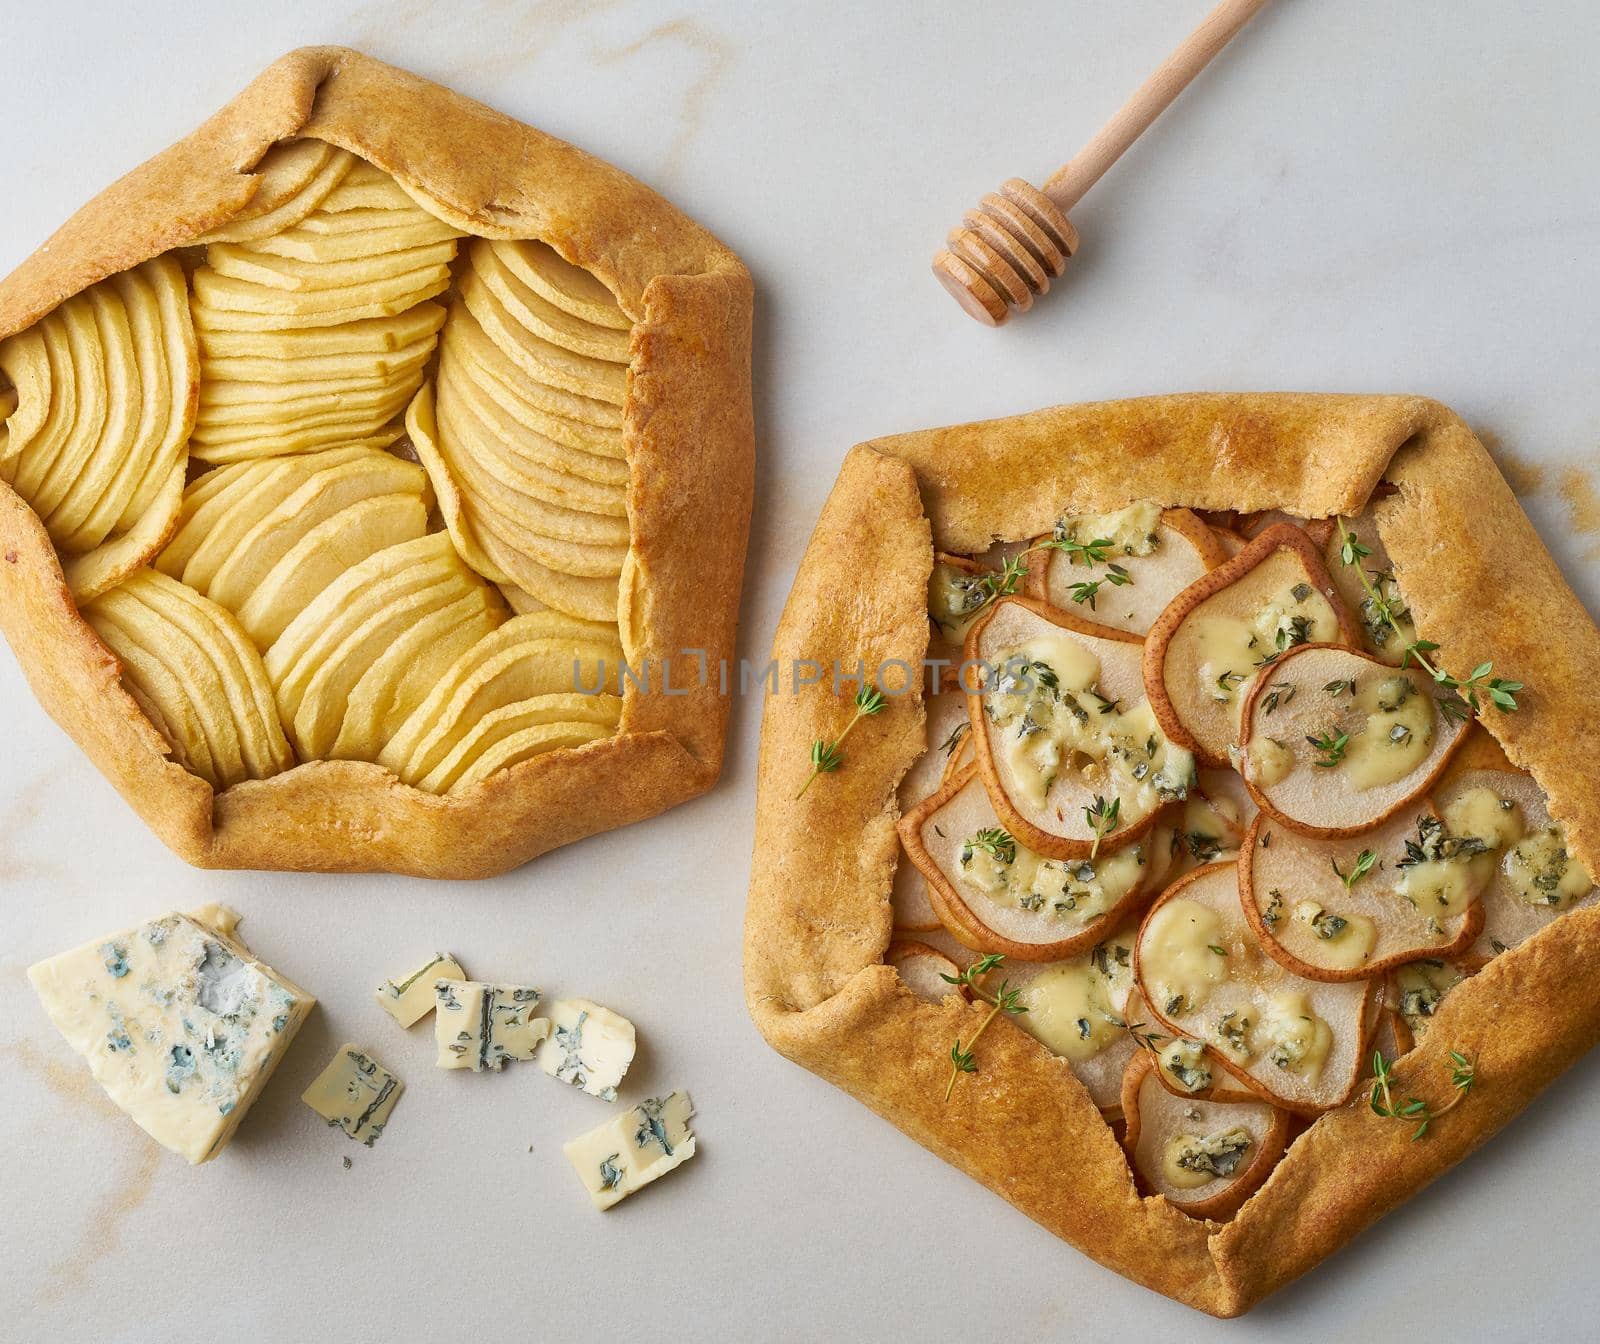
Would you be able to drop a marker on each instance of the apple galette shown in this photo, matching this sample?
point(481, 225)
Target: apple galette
point(1228, 872)
point(366, 460)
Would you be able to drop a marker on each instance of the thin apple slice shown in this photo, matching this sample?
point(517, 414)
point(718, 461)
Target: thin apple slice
point(921, 969)
point(996, 894)
point(295, 178)
point(524, 746)
point(1206, 978)
point(499, 263)
point(1061, 727)
point(1203, 1157)
point(540, 360)
point(320, 245)
point(570, 288)
point(1155, 552)
point(1349, 909)
point(1336, 742)
point(1213, 641)
point(506, 721)
point(1525, 873)
point(345, 340)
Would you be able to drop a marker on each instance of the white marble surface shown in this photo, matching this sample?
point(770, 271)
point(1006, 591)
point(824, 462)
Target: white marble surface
point(1360, 196)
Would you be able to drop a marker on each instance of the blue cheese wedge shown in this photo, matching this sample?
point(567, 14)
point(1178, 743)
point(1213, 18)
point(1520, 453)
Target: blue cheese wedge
point(589, 1047)
point(410, 998)
point(629, 1152)
point(354, 1093)
point(178, 1022)
point(479, 1026)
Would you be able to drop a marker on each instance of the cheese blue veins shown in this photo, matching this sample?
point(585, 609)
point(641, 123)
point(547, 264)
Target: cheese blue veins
point(1044, 697)
point(179, 1024)
point(355, 1093)
point(480, 1026)
point(638, 1147)
point(589, 1047)
point(1073, 891)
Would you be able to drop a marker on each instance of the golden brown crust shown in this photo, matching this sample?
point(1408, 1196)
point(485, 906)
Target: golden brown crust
point(818, 916)
point(687, 424)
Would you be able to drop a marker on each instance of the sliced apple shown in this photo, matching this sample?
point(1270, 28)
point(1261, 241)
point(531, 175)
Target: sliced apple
point(497, 264)
point(295, 178)
point(1156, 552)
point(524, 746)
point(25, 363)
point(1063, 732)
point(1335, 742)
point(1211, 644)
point(539, 654)
point(570, 288)
point(996, 894)
point(1203, 1157)
point(540, 360)
point(921, 969)
point(79, 402)
point(1349, 909)
point(368, 187)
point(379, 336)
point(1522, 867)
point(225, 304)
point(312, 244)
point(517, 718)
point(384, 258)
point(1206, 978)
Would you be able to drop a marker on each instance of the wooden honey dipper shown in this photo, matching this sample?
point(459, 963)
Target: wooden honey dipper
point(1019, 238)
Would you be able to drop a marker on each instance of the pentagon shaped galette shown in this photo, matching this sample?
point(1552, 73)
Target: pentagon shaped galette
point(375, 476)
point(1228, 873)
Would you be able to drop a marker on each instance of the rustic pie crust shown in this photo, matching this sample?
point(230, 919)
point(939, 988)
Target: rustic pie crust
point(1478, 582)
point(508, 384)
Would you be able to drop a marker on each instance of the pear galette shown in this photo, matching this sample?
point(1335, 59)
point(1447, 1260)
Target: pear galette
point(366, 461)
point(1228, 873)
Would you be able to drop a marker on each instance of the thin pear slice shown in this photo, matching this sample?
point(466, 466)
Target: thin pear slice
point(1214, 640)
point(524, 746)
point(1294, 893)
point(331, 548)
point(1205, 977)
point(996, 894)
point(529, 656)
point(1337, 742)
point(263, 749)
point(402, 677)
point(377, 335)
point(1081, 1010)
point(1378, 637)
point(1203, 1157)
point(1416, 990)
point(1161, 552)
point(497, 262)
point(296, 179)
point(555, 279)
point(1202, 831)
point(1061, 727)
point(346, 604)
point(920, 968)
point(500, 724)
point(1526, 875)
point(947, 731)
point(539, 359)
point(319, 715)
point(584, 422)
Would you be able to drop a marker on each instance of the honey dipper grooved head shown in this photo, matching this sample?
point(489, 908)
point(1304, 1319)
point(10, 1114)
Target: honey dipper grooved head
point(1006, 251)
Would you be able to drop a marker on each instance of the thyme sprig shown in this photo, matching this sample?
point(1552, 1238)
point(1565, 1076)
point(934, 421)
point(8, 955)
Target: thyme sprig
point(1358, 870)
point(1469, 691)
point(1103, 819)
point(1116, 576)
point(1003, 581)
point(826, 757)
point(1462, 1075)
point(1003, 1000)
point(1330, 747)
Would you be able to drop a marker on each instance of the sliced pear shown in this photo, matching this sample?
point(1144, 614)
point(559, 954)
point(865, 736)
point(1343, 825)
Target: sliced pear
point(921, 968)
point(322, 554)
point(571, 288)
point(542, 654)
point(996, 894)
point(949, 742)
point(1416, 991)
point(1205, 977)
point(1523, 869)
point(960, 592)
point(1252, 525)
point(1211, 644)
point(1202, 831)
point(295, 179)
point(539, 359)
point(1060, 723)
point(524, 746)
point(498, 725)
point(1349, 909)
point(343, 608)
point(1203, 1157)
point(402, 677)
point(1337, 742)
point(1378, 637)
point(1160, 552)
point(498, 264)
point(580, 422)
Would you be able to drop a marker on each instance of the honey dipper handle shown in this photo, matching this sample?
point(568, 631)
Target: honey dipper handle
point(1068, 185)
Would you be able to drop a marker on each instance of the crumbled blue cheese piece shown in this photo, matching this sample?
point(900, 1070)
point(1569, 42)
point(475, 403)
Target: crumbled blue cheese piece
point(479, 1026)
point(354, 1093)
point(627, 1153)
point(178, 1022)
point(589, 1047)
point(410, 998)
